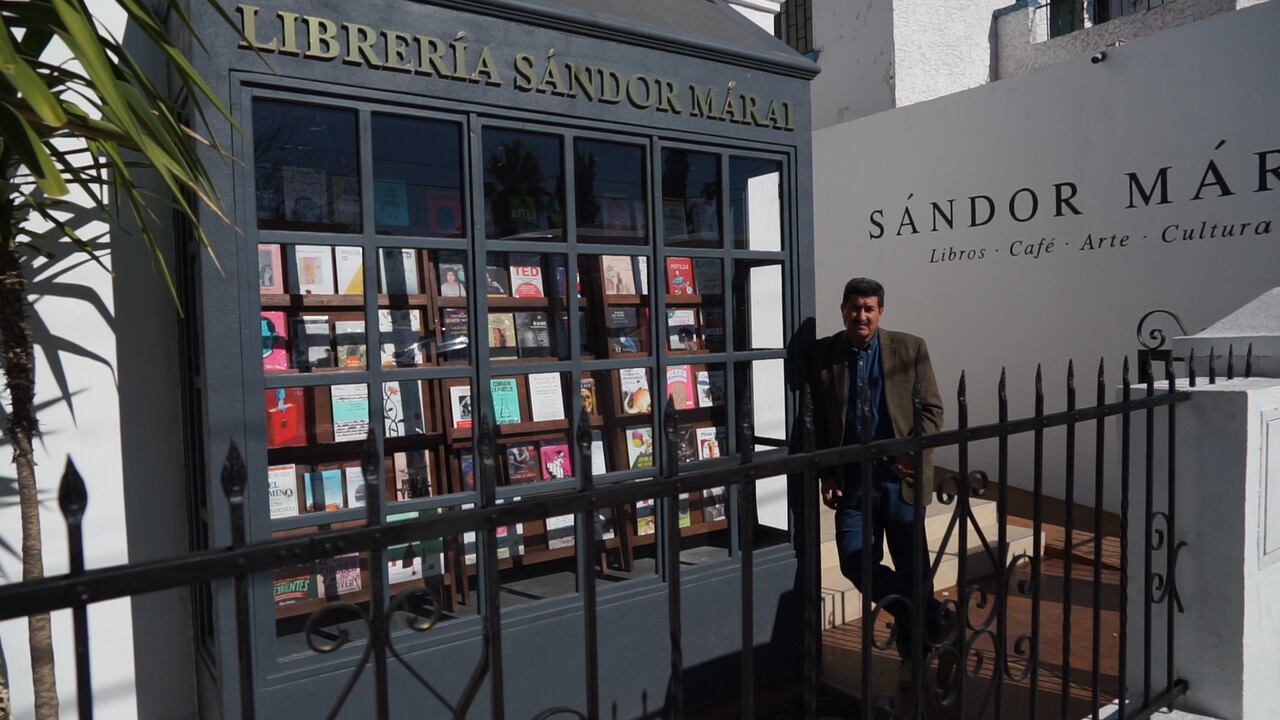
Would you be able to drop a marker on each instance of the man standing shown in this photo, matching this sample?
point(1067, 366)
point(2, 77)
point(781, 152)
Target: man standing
point(860, 361)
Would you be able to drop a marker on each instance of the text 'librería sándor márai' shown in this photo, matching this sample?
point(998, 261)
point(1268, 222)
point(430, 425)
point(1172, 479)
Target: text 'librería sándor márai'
point(323, 39)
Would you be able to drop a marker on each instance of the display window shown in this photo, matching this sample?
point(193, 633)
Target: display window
point(422, 274)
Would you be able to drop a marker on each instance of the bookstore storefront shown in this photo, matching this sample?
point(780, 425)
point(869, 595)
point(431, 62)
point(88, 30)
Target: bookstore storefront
point(457, 213)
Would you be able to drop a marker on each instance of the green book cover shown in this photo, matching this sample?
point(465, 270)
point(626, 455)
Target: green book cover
point(506, 401)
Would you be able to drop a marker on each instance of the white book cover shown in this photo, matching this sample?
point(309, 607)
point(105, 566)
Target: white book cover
point(526, 275)
point(708, 443)
point(634, 384)
point(399, 268)
point(393, 410)
point(355, 486)
point(460, 401)
point(713, 504)
point(403, 566)
point(282, 490)
point(401, 335)
point(315, 330)
point(598, 464)
point(704, 389)
point(546, 400)
point(642, 274)
point(560, 531)
point(350, 404)
point(349, 262)
point(313, 269)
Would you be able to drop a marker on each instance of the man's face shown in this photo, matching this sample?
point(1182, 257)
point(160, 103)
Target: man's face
point(862, 317)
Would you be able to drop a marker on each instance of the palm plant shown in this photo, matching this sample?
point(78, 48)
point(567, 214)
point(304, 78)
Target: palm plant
point(74, 135)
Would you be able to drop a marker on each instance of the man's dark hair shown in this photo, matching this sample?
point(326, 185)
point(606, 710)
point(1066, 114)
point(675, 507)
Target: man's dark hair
point(862, 287)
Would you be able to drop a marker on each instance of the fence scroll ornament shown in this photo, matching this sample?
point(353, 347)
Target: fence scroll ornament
point(976, 664)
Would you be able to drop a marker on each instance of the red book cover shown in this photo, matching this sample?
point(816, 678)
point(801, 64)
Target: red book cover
point(680, 276)
point(275, 341)
point(286, 417)
point(444, 212)
point(680, 387)
point(556, 463)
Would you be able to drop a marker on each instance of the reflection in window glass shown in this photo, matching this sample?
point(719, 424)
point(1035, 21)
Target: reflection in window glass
point(766, 380)
point(691, 199)
point(306, 167)
point(523, 185)
point(417, 177)
point(758, 319)
point(610, 183)
point(755, 202)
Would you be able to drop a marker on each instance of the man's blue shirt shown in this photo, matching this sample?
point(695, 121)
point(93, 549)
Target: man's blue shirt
point(864, 371)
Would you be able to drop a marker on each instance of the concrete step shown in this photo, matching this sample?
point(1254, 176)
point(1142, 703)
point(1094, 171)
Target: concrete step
point(842, 603)
point(937, 517)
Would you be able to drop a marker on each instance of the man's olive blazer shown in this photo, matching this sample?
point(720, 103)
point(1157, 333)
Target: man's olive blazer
point(903, 358)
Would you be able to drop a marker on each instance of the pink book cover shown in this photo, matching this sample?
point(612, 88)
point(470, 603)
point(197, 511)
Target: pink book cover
point(680, 386)
point(275, 341)
point(556, 463)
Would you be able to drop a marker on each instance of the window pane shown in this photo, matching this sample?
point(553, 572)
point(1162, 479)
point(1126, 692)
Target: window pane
point(417, 177)
point(755, 202)
point(314, 438)
point(758, 303)
point(694, 323)
point(523, 185)
point(312, 308)
point(306, 167)
point(611, 192)
point(616, 305)
point(766, 379)
point(691, 199)
point(528, 306)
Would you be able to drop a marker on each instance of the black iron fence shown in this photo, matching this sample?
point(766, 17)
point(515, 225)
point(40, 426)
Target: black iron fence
point(983, 665)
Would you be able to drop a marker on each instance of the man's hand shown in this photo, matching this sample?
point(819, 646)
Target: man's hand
point(904, 465)
point(830, 492)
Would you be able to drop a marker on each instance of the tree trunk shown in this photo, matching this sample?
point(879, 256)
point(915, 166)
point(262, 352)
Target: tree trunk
point(18, 357)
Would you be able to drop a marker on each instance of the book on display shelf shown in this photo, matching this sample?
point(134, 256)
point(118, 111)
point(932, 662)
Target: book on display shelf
point(356, 494)
point(286, 417)
point(685, 517)
point(313, 270)
point(404, 564)
point(400, 271)
point(349, 338)
point(349, 263)
point(294, 584)
point(680, 276)
point(587, 389)
point(523, 464)
point(639, 447)
point(467, 466)
point(634, 386)
point(618, 274)
point(402, 408)
point(412, 473)
point(401, 334)
point(460, 402)
point(350, 404)
point(687, 446)
point(452, 271)
point(282, 490)
point(275, 341)
point(646, 518)
point(455, 333)
point(559, 532)
point(710, 388)
point(642, 274)
point(510, 540)
point(707, 277)
point(682, 333)
point(599, 463)
point(709, 442)
point(339, 575)
point(506, 401)
point(680, 387)
point(674, 220)
point(497, 283)
point(713, 504)
point(556, 461)
point(323, 490)
point(270, 269)
point(533, 336)
point(546, 397)
point(502, 335)
point(526, 275)
point(712, 328)
point(312, 342)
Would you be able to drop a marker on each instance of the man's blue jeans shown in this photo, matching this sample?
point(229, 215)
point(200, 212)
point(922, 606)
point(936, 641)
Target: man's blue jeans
point(891, 522)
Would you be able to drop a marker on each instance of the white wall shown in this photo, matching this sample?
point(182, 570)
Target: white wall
point(1166, 100)
point(854, 40)
point(941, 51)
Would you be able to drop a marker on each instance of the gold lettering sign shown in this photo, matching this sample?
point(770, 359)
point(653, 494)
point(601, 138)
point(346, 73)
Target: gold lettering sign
point(407, 52)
